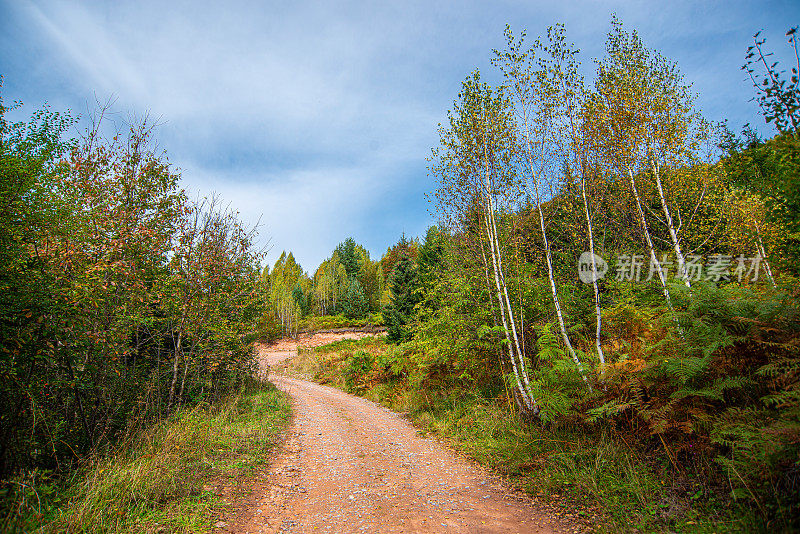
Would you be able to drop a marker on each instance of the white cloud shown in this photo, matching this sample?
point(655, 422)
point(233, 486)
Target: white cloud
point(320, 114)
point(82, 39)
point(305, 211)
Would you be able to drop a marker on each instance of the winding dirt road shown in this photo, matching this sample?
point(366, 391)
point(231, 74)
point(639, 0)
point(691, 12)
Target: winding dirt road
point(349, 465)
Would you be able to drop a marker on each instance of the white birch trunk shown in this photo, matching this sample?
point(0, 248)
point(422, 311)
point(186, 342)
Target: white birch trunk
point(520, 352)
point(673, 234)
point(590, 231)
point(512, 347)
point(554, 291)
point(518, 396)
point(549, 259)
point(763, 253)
point(649, 240)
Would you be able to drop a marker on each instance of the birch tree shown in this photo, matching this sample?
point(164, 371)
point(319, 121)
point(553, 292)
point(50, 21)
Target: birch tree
point(645, 113)
point(747, 216)
point(573, 146)
point(474, 165)
point(330, 281)
point(286, 275)
point(536, 81)
point(619, 128)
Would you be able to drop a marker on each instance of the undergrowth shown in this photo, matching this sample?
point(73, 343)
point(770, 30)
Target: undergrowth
point(628, 479)
point(327, 322)
point(161, 480)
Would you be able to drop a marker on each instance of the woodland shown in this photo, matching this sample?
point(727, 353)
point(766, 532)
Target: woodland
point(609, 270)
point(682, 350)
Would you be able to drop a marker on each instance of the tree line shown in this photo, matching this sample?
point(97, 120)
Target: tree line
point(121, 299)
point(348, 287)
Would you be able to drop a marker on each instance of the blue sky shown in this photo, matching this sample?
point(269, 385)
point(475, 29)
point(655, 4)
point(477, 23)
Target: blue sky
point(316, 118)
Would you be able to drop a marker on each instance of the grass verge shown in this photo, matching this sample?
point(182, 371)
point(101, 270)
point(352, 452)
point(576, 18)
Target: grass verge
point(167, 480)
point(596, 472)
point(325, 322)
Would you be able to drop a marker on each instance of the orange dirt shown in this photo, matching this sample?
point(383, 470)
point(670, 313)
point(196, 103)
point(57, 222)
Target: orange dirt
point(349, 465)
point(283, 349)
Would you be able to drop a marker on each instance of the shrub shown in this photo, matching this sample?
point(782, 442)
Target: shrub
point(356, 369)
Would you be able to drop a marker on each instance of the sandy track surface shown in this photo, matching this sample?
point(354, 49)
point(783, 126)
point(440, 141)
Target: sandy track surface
point(350, 466)
point(283, 349)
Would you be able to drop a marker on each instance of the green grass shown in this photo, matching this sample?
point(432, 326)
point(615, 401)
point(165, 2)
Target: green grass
point(329, 322)
point(625, 479)
point(345, 345)
point(165, 479)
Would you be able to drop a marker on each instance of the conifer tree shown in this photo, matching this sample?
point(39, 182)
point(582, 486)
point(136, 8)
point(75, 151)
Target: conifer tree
point(300, 300)
point(348, 256)
point(404, 288)
point(430, 262)
point(354, 302)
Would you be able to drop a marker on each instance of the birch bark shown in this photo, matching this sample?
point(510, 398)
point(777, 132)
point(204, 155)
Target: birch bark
point(673, 234)
point(595, 288)
point(649, 241)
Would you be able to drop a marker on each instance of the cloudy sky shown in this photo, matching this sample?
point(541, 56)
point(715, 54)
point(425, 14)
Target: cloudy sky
point(317, 117)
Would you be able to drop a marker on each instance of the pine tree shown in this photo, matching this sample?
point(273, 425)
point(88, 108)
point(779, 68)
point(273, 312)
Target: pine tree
point(393, 254)
point(430, 263)
point(354, 302)
point(300, 300)
point(404, 288)
point(348, 256)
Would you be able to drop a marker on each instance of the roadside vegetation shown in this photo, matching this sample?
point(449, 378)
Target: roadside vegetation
point(128, 314)
point(180, 475)
point(608, 308)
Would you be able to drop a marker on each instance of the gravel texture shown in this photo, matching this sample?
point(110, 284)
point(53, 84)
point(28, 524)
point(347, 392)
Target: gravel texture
point(349, 465)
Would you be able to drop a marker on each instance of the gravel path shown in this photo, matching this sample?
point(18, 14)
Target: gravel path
point(350, 466)
point(286, 348)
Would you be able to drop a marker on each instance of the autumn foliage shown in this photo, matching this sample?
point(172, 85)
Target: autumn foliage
point(121, 298)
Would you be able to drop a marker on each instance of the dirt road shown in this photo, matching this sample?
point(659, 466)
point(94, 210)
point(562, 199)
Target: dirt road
point(351, 466)
point(272, 353)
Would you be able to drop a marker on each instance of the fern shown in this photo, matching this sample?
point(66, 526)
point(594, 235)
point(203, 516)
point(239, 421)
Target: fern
point(608, 410)
point(716, 391)
point(557, 379)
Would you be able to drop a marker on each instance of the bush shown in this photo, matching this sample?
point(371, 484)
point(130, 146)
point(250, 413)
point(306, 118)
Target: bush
point(155, 482)
point(356, 369)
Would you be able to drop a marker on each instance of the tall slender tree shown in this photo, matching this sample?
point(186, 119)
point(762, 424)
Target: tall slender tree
point(474, 165)
point(535, 80)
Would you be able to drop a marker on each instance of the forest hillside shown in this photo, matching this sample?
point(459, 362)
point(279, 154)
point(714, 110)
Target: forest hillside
point(607, 310)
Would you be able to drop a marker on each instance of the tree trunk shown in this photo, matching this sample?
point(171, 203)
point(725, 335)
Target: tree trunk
point(673, 234)
point(522, 380)
point(175, 366)
point(519, 348)
point(646, 229)
point(548, 256)
point(590, 231)
point(518, 400)
point(183, 378)
point(763, 253)
point(554, 292)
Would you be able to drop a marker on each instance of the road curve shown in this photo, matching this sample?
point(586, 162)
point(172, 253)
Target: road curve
point(351, 466)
